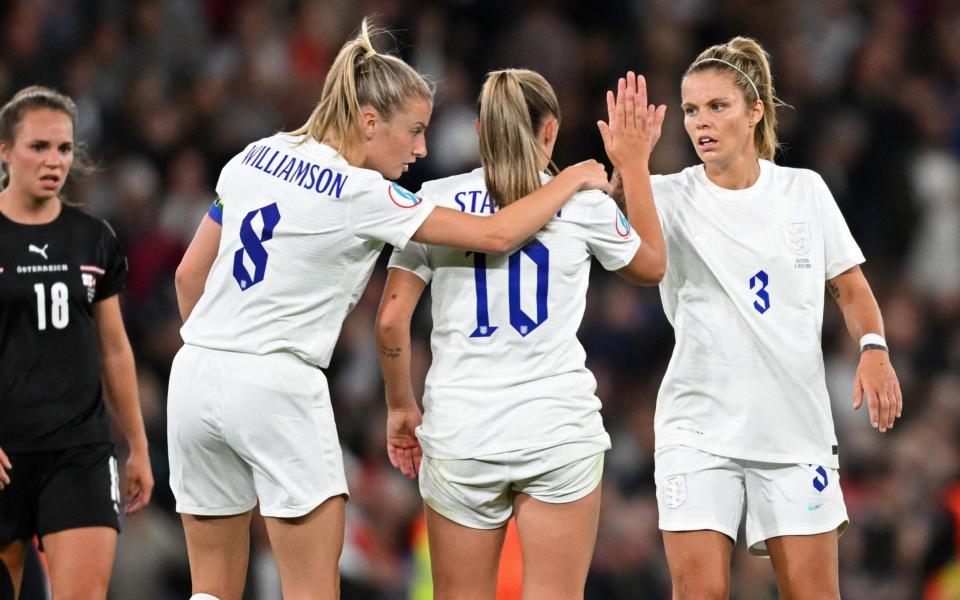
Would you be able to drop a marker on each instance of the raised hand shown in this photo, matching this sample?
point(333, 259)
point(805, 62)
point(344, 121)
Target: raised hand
point(633, 127)
point(403, 448)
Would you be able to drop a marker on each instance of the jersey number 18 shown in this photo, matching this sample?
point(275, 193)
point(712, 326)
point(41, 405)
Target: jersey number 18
point(59, 307)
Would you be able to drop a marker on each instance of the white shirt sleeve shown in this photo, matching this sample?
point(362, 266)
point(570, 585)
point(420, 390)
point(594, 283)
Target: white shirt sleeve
point(840, 250)
point(608, 233)
point(227, 174)
point(384, 211)
point(413, 257)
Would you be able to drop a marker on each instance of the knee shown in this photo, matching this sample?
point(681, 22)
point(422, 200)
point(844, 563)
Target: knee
point(700, 588)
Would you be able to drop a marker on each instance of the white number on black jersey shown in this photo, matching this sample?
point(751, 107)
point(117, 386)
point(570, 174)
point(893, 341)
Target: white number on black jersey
point(59, 307)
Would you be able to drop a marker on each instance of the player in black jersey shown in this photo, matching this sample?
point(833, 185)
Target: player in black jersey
point(62, 340)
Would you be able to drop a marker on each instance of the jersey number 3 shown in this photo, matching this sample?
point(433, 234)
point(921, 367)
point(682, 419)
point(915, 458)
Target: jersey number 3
point(519, 320)
point(758, 285)
point(253, 246)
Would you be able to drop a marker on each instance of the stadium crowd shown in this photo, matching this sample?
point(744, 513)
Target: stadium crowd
point(169, 90)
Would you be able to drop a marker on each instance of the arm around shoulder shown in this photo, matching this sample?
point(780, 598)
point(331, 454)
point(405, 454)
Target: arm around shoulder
point(514, 224)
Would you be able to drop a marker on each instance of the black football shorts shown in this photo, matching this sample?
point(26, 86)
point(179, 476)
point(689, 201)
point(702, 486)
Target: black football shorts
point(56, 490)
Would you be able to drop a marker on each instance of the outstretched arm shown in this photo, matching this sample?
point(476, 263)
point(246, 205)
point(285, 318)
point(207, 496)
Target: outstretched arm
point(400, 296)
point(191, 276)
point(514, 224)
point(875, 377)
point(629, 137)
point(120, 380)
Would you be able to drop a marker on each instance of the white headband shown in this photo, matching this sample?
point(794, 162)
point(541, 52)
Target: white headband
point(735, 68)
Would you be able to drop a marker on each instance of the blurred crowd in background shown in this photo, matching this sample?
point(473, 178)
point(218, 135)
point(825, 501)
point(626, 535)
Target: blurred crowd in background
point(169, 90)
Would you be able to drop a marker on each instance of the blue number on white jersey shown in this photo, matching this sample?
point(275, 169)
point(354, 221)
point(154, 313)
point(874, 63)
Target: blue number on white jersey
point(519, 320)
point(480, 279)
point(758, 285)
point(253, 246)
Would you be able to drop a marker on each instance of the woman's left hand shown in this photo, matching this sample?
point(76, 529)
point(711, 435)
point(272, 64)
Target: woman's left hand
point(403, 447)
point(877, 380)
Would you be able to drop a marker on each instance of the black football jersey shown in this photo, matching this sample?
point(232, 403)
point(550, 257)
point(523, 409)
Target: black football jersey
point(50, 380)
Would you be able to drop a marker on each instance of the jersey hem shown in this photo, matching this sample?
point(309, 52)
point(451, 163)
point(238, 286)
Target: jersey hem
point(591, 445)
point(832, 462)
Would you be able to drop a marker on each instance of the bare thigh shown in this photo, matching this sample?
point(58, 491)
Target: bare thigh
point(557, 542)
point(806, 565)
point(80, 561)
point(308, 549)
point(464, 560)
point(219, 550)
point(12, 556)
point(699, 563)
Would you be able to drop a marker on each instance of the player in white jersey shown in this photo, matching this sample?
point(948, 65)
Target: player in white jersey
point(511, 424)
point(298, 225)
point(743, 418)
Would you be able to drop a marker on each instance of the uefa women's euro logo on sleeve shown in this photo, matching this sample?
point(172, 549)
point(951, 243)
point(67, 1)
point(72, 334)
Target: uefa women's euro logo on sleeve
point(402, 197)
point(622, 224)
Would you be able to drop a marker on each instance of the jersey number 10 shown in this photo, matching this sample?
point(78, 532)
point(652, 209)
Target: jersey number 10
point(519, 320)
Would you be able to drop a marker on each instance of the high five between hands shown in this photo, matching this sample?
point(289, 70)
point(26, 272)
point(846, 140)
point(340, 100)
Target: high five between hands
point(633, 127)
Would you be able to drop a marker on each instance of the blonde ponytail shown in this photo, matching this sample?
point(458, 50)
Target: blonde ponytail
point(514, 103)
point(750, 65)
point(360, 76)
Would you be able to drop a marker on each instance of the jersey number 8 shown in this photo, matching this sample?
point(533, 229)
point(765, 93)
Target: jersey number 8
point(253, 246)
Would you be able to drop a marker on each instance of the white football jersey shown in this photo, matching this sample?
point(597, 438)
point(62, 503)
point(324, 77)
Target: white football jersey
point(744, 291)
point(508, 372)
point(302, 230)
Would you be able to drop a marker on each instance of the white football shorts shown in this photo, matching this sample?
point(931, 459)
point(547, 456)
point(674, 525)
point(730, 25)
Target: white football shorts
point(698, 490)
point(243, 428)
point(479, 492)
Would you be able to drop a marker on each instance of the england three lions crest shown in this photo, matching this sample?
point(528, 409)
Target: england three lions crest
point(798, 238)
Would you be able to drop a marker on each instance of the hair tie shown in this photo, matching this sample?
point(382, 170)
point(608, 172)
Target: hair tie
point(735, 68)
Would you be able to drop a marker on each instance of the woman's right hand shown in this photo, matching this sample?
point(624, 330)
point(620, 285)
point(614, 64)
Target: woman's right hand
point(591, 174)
point(403, 447)
point(4, 467)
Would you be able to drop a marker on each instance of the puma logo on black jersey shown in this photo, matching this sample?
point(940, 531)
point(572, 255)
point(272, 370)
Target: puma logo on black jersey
point(41, 251)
